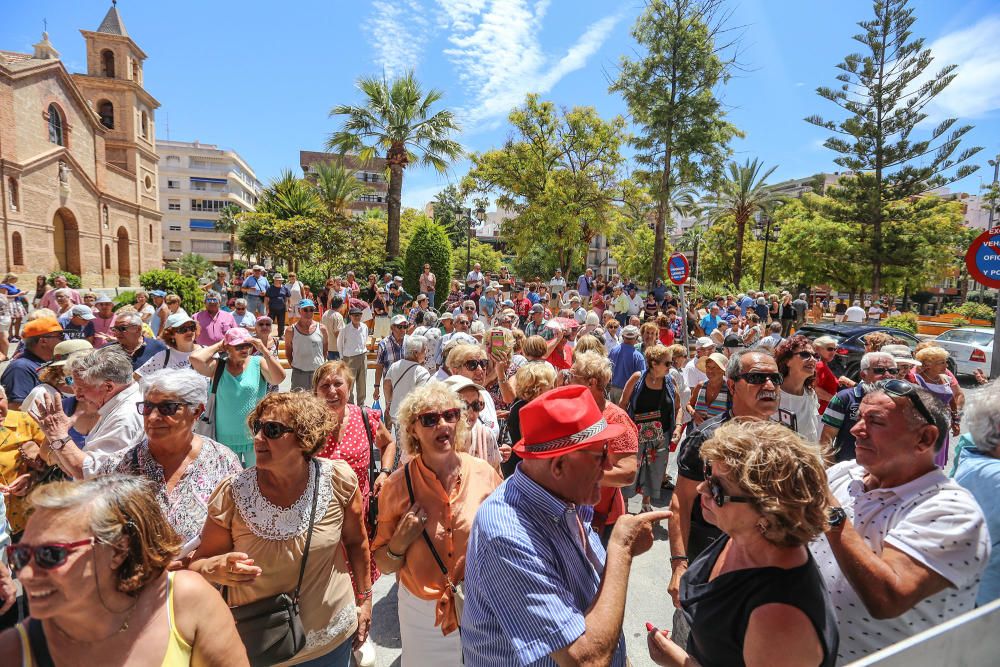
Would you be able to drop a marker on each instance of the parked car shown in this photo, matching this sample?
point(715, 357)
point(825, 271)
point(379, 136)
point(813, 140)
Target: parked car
point(850, 339)
point(970, 347)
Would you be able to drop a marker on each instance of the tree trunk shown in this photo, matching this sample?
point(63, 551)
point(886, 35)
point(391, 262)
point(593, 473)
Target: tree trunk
point(661, 220)
point(741, 228)
point(394, 200)
point(232, 253)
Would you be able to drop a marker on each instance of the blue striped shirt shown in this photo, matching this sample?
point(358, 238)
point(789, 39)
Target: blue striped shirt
point(528, 581)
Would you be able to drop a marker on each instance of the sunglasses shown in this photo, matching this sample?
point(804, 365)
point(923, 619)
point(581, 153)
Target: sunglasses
point(47, 556)
point(271, 430)
point(806, 356)
point(307, 310)
point(121, 328)
point(211, 301)
point(52, 336)
point(879, 370)
point(186, 329)
point(473, 364)
point(398, 326)
point(899, 388)
point(475, 406)
point(166, 409)
point(432, 419)
point(243, 347)
point(718, 493)
point(758, 377)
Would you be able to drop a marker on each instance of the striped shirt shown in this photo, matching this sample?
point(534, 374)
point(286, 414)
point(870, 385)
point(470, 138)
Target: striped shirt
point(389, 351)
point(529, 580)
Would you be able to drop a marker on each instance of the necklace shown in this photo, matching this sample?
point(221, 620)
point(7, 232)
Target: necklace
point(122, 628)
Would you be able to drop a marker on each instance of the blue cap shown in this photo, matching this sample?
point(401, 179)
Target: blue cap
point(307, 303)
point(158, 292)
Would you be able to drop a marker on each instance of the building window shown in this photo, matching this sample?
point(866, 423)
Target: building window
point(107, 256)
point(207, 204)
point(173, 159)
point(105, 217)
point(106, 111)
point(173, 185)
point(17, 248)
point(12, 193)
point(56, 126)
point(143, 125)
point(174, 205)
point(151, 233)
point(175, 246)
point(148, 182)
point(175, 228)
point(206, 246)
point(108, 63)
point(371, 198)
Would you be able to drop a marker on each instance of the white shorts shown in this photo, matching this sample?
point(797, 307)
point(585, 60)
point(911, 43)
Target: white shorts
point(5, 324)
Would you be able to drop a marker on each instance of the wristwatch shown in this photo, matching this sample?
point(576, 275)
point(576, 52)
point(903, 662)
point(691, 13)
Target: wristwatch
point(836, 516)
point(58, 443)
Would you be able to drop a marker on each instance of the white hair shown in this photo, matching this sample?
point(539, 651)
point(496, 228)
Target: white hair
point(982, 417)
point(413, 345)
point(186, 385)
point(130, 318)
point(870, 358)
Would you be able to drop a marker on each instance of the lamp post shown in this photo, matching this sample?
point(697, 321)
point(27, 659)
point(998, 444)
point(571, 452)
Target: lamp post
point(764, 229)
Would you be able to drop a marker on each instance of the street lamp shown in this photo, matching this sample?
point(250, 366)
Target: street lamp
point(764, 229)
point(481, 217)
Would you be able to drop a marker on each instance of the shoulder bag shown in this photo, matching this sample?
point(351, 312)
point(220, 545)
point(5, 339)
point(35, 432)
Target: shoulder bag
point(457, 590)
point(206, 422)
point(372, 518)
point(271, 629)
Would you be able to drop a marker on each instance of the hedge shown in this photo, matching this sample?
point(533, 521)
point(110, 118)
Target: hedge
point(192, 297)
point(428, 245)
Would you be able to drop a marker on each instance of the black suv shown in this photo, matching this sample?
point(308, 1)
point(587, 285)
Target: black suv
point(850, 339)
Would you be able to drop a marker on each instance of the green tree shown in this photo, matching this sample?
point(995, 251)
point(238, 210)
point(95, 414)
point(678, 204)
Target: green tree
point(882, 94)
point(192, 264)
point(670, 93)
point(395, 122)
point(72, 279)
point(740, 194)
point(338, 188)
point(634, 254)
point(560, 177)
point(428, 245)
point(450, 212)
point(691, 240)
point(290, 197)
point(718, 252)
point(229, 223)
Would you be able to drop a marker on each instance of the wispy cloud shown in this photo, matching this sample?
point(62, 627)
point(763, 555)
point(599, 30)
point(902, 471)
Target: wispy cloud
point(975, 90)
point(398, 30)
point(497, 52)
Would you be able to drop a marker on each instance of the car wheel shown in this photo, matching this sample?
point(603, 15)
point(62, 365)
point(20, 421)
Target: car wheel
point(952, 367)
point(854, 371)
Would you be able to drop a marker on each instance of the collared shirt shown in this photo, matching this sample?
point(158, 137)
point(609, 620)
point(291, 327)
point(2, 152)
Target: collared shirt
point(533, 569)
point(625, 360)
point(102, 325)
point(143, 353)
point(932, 520)
point(186, 506)
point(709, 323)
point(17, 428)
point(532, 329)
point(254, 286)
point(389, 351)
point(119, 426)
point(49, 300)
point(842, 414)
point(353, 340)
point(21, 376)
point(213, 328)
point(247, 320)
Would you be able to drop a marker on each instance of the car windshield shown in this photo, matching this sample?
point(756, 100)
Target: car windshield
point(968, 336)
point(813, 334)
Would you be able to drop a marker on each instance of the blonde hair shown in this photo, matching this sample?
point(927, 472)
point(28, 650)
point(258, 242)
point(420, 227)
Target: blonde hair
point(657, 353)
point(534, 346)
point(462, 353)
point(172, 299)
point(304, 413)
point(39, 313)
point(589, 343)
point(781, 471)
point(533, 379)
point(932, 354)
point(433, 396)
point(330, 368)
point(122, 508)
point(592, 366)
point(649, 328)
point(678, 350)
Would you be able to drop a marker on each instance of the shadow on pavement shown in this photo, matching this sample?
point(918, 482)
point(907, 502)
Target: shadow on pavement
point(385, 622)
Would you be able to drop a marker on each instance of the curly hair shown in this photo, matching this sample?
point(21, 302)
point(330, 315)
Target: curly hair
point(592, 366)
point(431, 397)
point(123, 513)
point(533, 379)
point(590, 343)
point(330, 368)
point(876, 340)
point(932, 354)
point(781, 471)
point(533, 347)
point(462, 353)
point(657, 353)
point(787, 349)
point(303, 412)
point(678, 350)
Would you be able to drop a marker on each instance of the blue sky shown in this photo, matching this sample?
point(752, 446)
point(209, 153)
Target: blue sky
point(260, 77)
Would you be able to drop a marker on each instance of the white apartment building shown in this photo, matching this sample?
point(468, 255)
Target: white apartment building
point(196, 182)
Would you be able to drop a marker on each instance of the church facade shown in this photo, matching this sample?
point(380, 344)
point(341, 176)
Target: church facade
point(78, 162)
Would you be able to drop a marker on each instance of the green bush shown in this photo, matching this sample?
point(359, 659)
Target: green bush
point(960, 322)
point(314, 276)
point(905, 322)
point(126, 298)
point(170, 282)
point(973, 311)
point(428, 245)
point(71, 278)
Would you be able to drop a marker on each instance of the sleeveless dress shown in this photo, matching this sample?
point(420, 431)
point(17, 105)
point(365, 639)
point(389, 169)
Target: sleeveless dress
point(236, 398)
point(653, 412)
point(178, 650)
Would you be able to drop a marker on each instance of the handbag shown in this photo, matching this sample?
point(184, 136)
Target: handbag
point(271, 629)
point(372, 518)
point(457, 590)
point(206, 422)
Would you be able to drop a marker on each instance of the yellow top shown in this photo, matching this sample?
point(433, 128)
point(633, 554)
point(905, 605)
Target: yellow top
point(178, 651)
point(17, 428)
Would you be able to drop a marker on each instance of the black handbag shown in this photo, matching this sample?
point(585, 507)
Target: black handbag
point(372, 519)
point(271, 629)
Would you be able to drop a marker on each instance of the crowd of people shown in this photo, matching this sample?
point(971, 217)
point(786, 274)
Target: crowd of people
point(149, 456)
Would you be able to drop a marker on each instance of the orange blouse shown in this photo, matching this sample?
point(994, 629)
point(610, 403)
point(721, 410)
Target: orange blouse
point(449, 523)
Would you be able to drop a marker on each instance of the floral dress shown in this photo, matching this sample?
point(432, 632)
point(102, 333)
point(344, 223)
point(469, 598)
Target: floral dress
point(652, 410)
point(353, 448)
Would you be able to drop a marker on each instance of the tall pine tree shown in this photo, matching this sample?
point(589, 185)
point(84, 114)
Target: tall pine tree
point(885, 92)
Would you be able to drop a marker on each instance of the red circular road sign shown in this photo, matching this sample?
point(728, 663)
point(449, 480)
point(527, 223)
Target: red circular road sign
point(678, 268)
point(983, 258)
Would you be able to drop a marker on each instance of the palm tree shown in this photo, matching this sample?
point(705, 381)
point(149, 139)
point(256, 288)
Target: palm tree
point(689, 241)
point(289, 197)
point(742, 193)
point(229, 223)
point(338, 187)
point(395, 121)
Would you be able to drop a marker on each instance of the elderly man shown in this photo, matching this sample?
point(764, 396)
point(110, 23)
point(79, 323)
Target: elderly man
point(213, 322)
point(103, 380)
point(459, 324)
point(585, 286)
point(21, 375)
point(625, 360)
point(255, 287)
point(540, 588)
point(710, 322)
point(906, 545)
point(536, 321)
point(390, 350)
point(128, 332)
point(752, 379)
point(475, 276)
point(579, 312)
point(842, 412)
point(243, 317)
point(59, 283)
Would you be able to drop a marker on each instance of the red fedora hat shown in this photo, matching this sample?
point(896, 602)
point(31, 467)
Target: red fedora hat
point(561, 421)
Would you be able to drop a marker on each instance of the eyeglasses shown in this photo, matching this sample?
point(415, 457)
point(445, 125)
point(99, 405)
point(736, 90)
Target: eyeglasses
point(47, 556)
point(243, 347)
point(879, 370)
point(473, 364)
point(52, 336)
point(271, 430)
point(166, 408)
point(806, 356)
point(718, 493)
point(122, 328)
point(432, 419)
point(186, 329)
point(475, 406)
point(307, 310)
point(897, 388)
point(758, 377)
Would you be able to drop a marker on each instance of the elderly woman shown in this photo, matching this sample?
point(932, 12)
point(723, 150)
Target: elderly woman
point(933, 375)
point(242, 316)
point(435, 494)
point(143, 306)
point(650, 398)
point(184, 468)
point(798, 405)
point(93, 562)
point(480, 441)
point(405, 375)
point(293, 518)
point(531, 380)
point(765, 489)
point(179, 333)
point(709, 399)
point(978, 470)
point(242, 380)
point(470, 361)
point(263, 330)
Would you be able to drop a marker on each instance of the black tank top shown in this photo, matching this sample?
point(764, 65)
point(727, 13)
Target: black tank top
point(718, 611)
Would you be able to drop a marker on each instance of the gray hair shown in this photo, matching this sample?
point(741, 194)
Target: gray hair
point(186, 385)
point(240, 302)
point(871, 357)
point(774, 327)
point(430, 319)
point(212, 294)
point(982, 417)
point(413, 345)
point(63, 291)
point(132, 318)
point(936, 409)
point(104, 365)
point(735, 365)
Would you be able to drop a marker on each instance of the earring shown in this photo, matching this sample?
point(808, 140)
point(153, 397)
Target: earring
point(762, 527)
